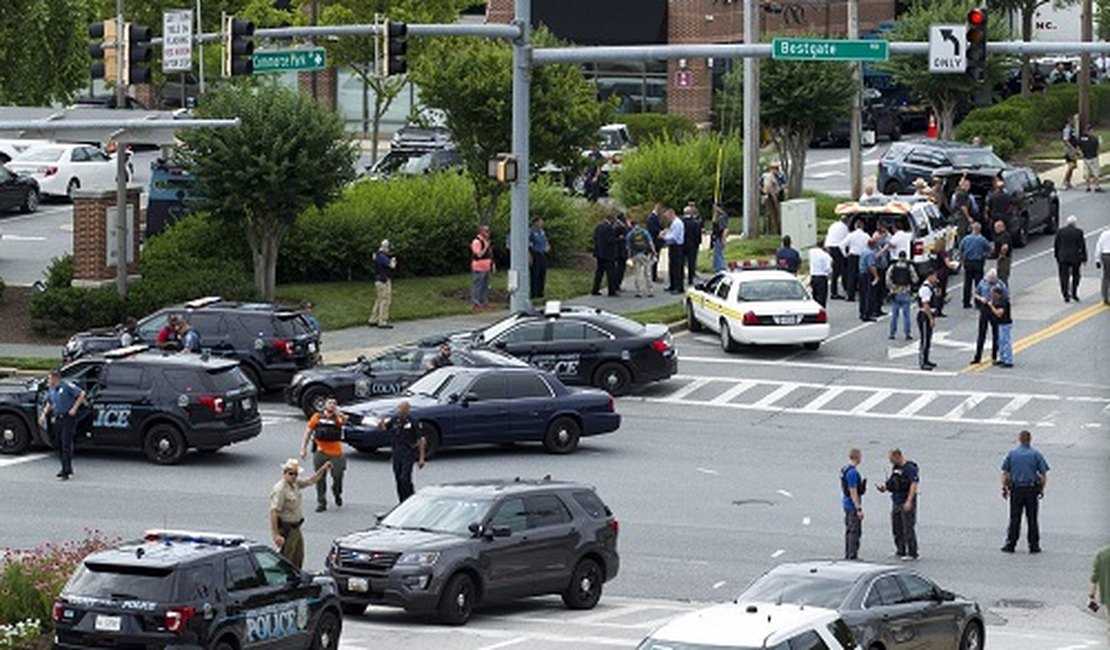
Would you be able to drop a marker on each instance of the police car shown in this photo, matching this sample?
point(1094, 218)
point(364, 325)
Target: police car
point(924, 219)
point(583, 346)
point(176, 589)
point(161, 403)
point(751, 625)
point(757, 307)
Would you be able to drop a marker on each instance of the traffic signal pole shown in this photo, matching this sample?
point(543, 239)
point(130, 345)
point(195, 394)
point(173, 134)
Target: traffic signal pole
point(855, 159)
point(751, 123)
point(520, 281)
point(121, 158)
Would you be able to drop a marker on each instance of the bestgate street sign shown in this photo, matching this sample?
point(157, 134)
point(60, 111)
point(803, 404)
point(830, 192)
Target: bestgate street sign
point(304, 59)
point(820, 49)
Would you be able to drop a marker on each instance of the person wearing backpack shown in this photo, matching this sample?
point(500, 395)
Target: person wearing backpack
point(901, 277)
point(852, 487)
point(642, 249)
point(325, 431)
point(902, 486)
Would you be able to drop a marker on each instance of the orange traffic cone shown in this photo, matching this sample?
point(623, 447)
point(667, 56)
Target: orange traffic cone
point(931, 130)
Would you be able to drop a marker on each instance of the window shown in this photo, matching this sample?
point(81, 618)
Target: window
point(125, 376)
point(808, 641)
point(276, 570)
point(592, 504)
point(84, 374)
point(400, 361)
point(149, 328)
point(510, 514)
point(842, 633)
point(5, 175)
point(711, 285)
point(184, 380)
point(196, 583)
point(921, 158)
point(545, 510)
point(80, 154)
point(526, 384)
point(568, 330)
point(488, 386)
point(918, 590)
point(772, 290)
point(884, 591)
point(527, 333)
point(207, 323)
point(241, 573)
point(96, 155)
point(723, 289)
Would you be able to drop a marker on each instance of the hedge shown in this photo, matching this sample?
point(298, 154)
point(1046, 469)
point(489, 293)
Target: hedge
point(673, 172)
point(1004, 137)
point(649, 127)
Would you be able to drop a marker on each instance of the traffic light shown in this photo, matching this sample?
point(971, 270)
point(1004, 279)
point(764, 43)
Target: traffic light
point(137, 53)
point(976, 46)
point(394, 48)
point(104, 58)
point(503, 168)
point(238, 46)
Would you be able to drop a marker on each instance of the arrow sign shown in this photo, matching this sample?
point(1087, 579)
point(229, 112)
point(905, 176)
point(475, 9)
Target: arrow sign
point(946, 34)
point(303, 59)
point(945, 52)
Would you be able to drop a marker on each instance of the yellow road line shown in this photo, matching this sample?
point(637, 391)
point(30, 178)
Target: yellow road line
point(1059, 327)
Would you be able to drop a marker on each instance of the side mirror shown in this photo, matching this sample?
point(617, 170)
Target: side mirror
point(700, 286)
point(470, 397)
point(452, 398)
point(945, 596)
point(1048, 185)
point(475, 529)
point(379, 517)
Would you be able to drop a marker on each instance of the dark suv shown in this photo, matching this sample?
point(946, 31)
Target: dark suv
point(271, 342)
point(176, 589)
point(161, 403)
point(451, 547)
point(1036, 204)
point(905, 162)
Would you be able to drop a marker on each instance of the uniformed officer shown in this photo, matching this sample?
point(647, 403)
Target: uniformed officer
point(325, 430)
point(852, 486)
point(926, 320)
point(408, 448)
point(1024, 477)
point(286, 516)
point(63, 398)
point(902, 485)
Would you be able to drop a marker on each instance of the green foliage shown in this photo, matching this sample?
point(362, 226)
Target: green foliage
point(45, 53)
point(647, 127)
point(567, 223)
point(1005, 138)
point(674, 172)
point(59, 275)
point(67, 310)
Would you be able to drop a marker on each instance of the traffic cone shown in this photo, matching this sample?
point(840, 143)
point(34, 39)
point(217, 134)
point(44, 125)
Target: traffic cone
point(931, 131)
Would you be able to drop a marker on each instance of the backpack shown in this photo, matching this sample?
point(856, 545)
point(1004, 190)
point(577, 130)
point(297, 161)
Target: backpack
point(328, 430)
point(900, 275)
point(639, 241)
point(861, 489)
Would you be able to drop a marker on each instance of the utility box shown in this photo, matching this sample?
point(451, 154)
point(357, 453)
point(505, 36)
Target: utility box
point(799, 220)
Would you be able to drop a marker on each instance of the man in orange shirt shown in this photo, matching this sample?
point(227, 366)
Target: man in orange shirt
point(481, 265)
point(325, 430)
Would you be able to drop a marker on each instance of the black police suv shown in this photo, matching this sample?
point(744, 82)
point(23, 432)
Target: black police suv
point(905, 162)
point(1036, 203)
point(18, 192)
point(386, 374)
point(449, 548)
point(584, 346)
point(271, 341)
point(177, 589)
point(161, 403)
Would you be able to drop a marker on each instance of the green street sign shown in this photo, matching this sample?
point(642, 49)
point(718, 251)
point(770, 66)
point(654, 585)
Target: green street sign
point(819, 49)
point(298, 60)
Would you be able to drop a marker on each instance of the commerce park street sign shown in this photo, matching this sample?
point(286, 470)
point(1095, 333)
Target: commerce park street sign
point(304, 59)
point(819, 49)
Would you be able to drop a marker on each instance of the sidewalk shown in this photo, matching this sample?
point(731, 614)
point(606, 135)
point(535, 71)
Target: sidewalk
point(1056, 174)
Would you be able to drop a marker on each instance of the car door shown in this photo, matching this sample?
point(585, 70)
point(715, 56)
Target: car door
point(549, 542)
point(701, 296)
point(1038, 199)
point(101, 166)
point(86, 376)
point(719, 305)
point(389, 373)
point(483, 411)
point(251, 600)
point(212, 329)
point(574, 351)
point(937, 625)
point(896, 620)
point(290, 623)
point(503, 557)
point(524, 341)
point(531, 404)
point(123, 401)
point(11, 193)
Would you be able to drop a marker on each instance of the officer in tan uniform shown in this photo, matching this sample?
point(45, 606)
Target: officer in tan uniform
point(286, 516)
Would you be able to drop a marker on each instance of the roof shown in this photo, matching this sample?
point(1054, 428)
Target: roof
point(748, 624)
point(167, 548)
point(500, 486)
point(843, 570)
point(141, 355)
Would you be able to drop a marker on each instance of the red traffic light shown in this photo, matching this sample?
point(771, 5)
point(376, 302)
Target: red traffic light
point(977, 17)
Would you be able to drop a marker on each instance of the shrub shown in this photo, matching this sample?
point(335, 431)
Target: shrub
point(58, 312)
point(59, 274)
point(568, 226)
point(1005, 137)
point(649, 127)
point(674, 172)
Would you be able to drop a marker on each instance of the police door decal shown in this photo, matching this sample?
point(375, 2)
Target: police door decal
point(276, 621)
point(111, 416)
point(562, 365)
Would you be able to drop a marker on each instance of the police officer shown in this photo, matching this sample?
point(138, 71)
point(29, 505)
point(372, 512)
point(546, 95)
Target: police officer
point(974, 249)
point(927, 296)
point(325, 430)
point(442, 359)
point(538, 249)
point(408, 448)
point(1024, 477)
point(63, 399)
point(902, 485)
point(190, 339)
point(852, 486)
point(286, 515)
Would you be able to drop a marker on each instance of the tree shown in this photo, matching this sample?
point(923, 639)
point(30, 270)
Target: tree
point(470, 80)
point(1027, 9)
point(286, 155)
point(45, 51)
point(943, 92)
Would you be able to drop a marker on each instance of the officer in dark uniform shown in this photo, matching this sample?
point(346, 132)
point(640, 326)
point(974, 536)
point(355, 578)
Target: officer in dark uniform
point(927, 299)
point(63, 400)
point(605, 254)
point(1024, 477)
point(654, 227)
point(902, 486)
point(692, 220)
point(408, 448)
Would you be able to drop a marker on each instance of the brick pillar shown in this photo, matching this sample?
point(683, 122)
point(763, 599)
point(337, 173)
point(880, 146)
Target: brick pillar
point(686, 23)
point(500, 11)
point(91, 222)
point(327, 86)
point(145, 94)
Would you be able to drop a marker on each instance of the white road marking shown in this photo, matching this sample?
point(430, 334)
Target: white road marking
point(1092, 425)
point(732, 393)
point(690, 388)
point(778, 553)
point(775, 395)
point(848, 332)
point(711, 472)
point(806, 521)
point(822, 399)
point(22, 238)
point(963, 407)
point(871, 402)
point(886, 370)
point(718, 585)
point(1012, 406)
point(786, 494)
point(919, 403)
point(19, 460)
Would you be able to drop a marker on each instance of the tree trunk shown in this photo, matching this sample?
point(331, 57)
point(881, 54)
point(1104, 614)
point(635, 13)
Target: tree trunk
point(945, 110)
point(798, 144)
point(265, 241)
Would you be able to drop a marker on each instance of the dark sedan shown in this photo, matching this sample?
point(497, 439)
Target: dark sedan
point(464, 406)
point(886, 606)
point(385, 374)
point(18, 192)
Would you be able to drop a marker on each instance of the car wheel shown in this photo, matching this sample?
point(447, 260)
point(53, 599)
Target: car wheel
point(353, 609)
point(812, 345)
point(562, 436)
point(312, 400)
point(30, 201)
point(224, 644)
point(613, 378)
point(164, 445)
point(585, 586)
point(972, 638)
point(728, 344)
point(892, 187)
point(252, 375)
point(1022, 238)
point(326, 634)
point(15, 435)
point(692, 323)
point(456, 604)
point(72, 187)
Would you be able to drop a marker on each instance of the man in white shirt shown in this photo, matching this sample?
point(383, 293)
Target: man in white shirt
point(838, 231)
point(674, 236)
point(852, 247)
point(902, 241)
point(820, 267)
point(1102, 261)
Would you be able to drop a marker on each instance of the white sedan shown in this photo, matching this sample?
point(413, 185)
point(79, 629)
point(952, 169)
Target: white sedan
point(61, 169)
point(750, 625)
point(757, 307)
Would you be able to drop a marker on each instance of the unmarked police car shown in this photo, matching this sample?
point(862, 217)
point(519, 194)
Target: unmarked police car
point(161, 403)
point(176, 589)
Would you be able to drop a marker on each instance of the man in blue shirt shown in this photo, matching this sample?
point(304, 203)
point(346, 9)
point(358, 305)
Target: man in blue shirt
point(902, 485)
point(384, 264)
point(674, 236)
point(1024, 477)
point(63, 398)
point(974, 250)
point(306, 309)
point(987, 318)
point(190, 339)
point(786, 258)
point(868, 282)
point(852, 486)
point(538, 248)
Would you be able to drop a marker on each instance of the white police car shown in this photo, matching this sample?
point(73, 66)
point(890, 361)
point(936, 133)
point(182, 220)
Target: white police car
point(752, 626)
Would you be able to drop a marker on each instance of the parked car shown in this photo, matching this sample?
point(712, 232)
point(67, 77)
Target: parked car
point(449, 548)
point(884, 606)
point(878, 116)
point(10, 148)
point(1036, 202)
point(106, 101)
point(18, 191)
point(924, 218)
point(750, 626)
point(62, 169)
point(905, 162)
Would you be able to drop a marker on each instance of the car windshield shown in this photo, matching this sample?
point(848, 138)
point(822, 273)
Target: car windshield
point(42, 154)
point(771, 290)
point(438, 513)
point(122, 582)
point(799, 590)
point(439, 384)
point(974, 158)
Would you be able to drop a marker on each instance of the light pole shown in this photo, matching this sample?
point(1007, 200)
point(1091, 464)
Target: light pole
point(751, 123)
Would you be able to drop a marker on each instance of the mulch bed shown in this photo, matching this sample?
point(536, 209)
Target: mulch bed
point(15, 318)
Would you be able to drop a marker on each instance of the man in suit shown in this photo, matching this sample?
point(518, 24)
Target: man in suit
point(605, 254)
point(1070, 249)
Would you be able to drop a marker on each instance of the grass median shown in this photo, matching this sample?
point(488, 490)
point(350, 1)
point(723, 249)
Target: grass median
point(30, 363)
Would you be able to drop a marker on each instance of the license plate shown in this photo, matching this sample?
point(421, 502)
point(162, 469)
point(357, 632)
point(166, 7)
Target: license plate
point(108, 623)
point(789, 319)
point(361, 585)
point(246, 403)
point(312, 348)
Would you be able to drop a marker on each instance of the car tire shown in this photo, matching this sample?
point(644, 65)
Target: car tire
point(164, 445)
point(15, 435)
point(812, 345)
point(562, 436)
point(692, 323)
point(728, 344)
point(1021, 240)
point(224, 644)
point(252, 375)
point(353, 609)
point(584, 589)
point(972, 638)
point(892, 187)
point(30, 201)
point(456, 603)
point(613, 378)
point(72, 187)
point(312, 400)
point(326, 634)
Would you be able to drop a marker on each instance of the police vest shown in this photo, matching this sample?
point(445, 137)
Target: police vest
point(328, 429)
point(861, 489)
point(899, 482)
point(900, 275)
point(640, 242)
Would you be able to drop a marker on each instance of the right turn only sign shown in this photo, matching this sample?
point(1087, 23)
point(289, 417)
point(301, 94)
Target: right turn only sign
point(947, 45)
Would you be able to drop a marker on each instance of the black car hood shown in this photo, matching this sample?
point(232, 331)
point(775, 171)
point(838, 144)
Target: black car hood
point(397, 540)
point(386, 405)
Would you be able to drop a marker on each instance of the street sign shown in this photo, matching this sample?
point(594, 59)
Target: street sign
point(177, 40)
point(683, 78)
point(818, 49)
point(947, 48)
point(299, 60)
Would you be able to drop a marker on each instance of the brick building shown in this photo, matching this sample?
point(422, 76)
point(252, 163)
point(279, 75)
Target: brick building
point(682, 86)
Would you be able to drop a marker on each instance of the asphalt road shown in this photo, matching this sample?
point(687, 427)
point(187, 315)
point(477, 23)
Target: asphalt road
point(721, 473)
point(827, 167)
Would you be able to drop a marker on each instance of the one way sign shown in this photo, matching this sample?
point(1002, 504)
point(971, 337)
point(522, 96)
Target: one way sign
point(947, 48)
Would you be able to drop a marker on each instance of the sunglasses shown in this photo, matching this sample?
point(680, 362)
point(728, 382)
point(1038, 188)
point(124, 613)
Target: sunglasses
point(290, 472)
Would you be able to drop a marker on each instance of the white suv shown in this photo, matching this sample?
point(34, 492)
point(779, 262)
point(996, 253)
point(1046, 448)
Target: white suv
point(752, 626)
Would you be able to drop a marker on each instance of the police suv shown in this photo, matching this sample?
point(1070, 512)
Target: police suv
point(159, 402)
point(176, 589)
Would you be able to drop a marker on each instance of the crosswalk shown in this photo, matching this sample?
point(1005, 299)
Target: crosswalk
point(863, 401)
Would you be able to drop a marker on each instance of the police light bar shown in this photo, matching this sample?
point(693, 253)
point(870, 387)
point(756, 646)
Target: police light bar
point(552, 308)
point(751, 265)
point(202, 302)
point(211, 539)
point(127, 351)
